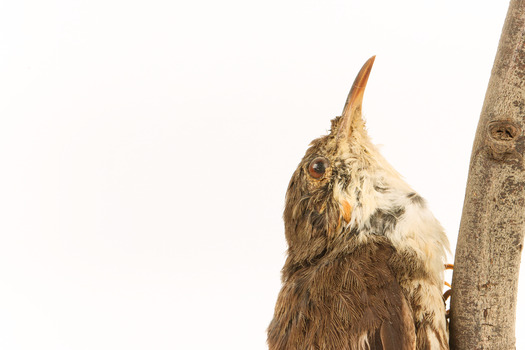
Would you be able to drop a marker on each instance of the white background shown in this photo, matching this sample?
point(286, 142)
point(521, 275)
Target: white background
point(146, 148)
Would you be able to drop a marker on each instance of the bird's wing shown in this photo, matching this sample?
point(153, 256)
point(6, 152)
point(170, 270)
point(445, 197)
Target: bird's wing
point(428, 337)
point(397, 330)
point(351, 302)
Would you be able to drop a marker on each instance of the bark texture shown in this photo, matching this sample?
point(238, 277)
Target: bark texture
point(488, 253)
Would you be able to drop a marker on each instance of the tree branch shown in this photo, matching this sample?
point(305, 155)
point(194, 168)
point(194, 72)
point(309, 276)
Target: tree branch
point(485, 281)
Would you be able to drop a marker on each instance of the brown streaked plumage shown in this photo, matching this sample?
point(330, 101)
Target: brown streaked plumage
point(365, 255)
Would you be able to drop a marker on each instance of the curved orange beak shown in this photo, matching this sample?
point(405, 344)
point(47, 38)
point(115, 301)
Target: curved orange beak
point(355, 98)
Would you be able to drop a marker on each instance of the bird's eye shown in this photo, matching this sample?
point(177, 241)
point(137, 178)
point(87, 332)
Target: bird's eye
point(318, 167)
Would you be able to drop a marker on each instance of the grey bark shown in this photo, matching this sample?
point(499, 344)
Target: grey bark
point(488, 253)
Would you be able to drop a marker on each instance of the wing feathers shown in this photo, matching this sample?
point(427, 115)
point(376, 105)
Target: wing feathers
point(353, 302)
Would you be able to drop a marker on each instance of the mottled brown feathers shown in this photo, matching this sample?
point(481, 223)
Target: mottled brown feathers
point(345, 284)
point(343, 302)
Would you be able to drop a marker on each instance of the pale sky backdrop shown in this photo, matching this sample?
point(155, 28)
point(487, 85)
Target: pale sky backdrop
point(147, 145)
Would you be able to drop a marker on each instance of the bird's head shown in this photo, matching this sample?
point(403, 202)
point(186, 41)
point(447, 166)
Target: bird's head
point(339, 184)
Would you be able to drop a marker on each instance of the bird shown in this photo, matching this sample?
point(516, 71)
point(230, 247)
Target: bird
point(365, 259)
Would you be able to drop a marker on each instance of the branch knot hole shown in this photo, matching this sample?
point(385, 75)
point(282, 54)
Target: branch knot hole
point(503, 130)
point(502, 136)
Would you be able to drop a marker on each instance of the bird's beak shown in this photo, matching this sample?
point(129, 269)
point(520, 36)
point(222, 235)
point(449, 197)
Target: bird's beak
point(354, 100)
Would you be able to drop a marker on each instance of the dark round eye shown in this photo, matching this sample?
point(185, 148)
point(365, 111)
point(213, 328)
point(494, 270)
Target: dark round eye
point(318, 167)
